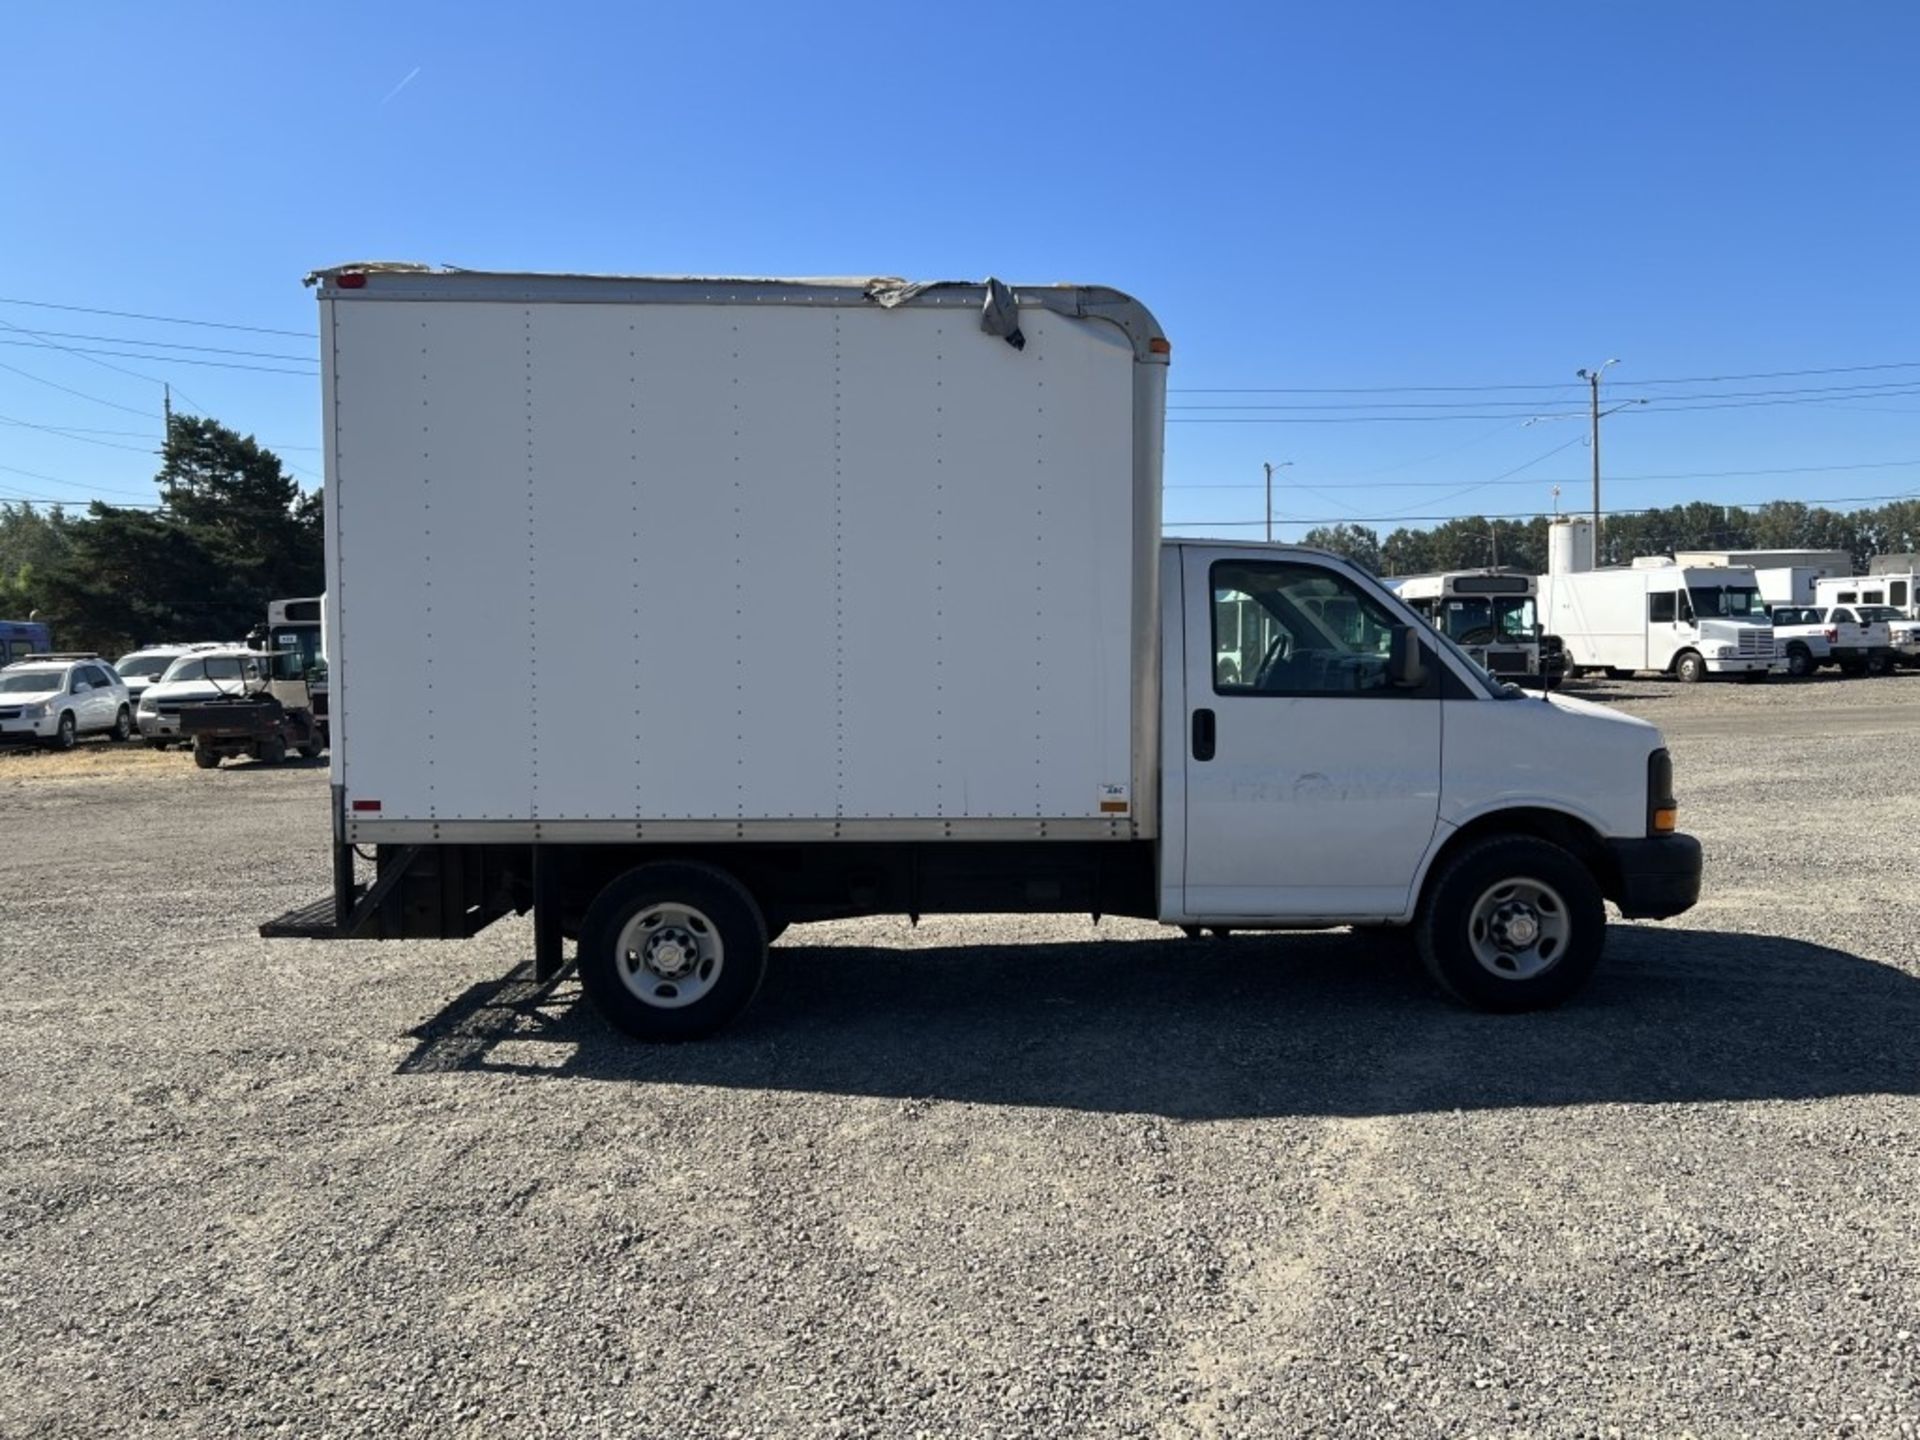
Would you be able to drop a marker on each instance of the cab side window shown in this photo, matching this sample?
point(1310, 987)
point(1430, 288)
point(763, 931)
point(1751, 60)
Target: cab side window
point(1897, 593)
point(1660, 607)
point(1282, 628)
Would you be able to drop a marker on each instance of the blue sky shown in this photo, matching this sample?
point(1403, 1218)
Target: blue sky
point(1329, 197)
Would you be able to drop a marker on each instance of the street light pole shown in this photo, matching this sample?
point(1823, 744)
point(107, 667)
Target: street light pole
point(1271, 467)
point(1592, 377)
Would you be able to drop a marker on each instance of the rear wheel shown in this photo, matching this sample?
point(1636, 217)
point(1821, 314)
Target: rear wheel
point(1690, 669)
point(311, 750)
point(1512, 923)
point(1799, 661)
point(271, 751)
point(205, 756)
point(673, 951)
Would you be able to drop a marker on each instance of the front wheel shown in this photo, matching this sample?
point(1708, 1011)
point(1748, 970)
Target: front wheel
point(673, 951)
point(122, 726)
point(67, 734)
point(206, 757)
point(1690, 669)
point(1512, 923)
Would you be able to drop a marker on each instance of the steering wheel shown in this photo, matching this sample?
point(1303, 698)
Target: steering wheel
point(1277, 652)
point(1480, 635)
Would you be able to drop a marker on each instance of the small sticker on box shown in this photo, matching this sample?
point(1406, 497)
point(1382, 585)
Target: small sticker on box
point(1114, 800)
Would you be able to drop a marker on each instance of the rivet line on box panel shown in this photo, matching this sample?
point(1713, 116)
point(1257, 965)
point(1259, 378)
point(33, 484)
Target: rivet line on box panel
point(839, 596)
point(634, 568)
point(533, 623)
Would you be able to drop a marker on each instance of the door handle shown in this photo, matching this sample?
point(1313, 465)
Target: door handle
point(1203, 735)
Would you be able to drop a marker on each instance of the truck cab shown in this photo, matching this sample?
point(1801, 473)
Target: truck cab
point(1326, 759)
point(1490, 614)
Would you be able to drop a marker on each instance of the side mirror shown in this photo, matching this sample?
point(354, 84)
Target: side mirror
point(1406, 667)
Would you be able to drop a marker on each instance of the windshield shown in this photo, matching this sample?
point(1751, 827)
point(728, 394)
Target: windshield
point(1478, 619)
point(1729, 602)
point(145, 665)
point(303, 641)
point(210, 667)
point(31, 682)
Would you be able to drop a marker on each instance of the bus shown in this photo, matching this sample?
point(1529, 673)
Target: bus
point(294, 628)
point(1488, 613)
point(21, 638)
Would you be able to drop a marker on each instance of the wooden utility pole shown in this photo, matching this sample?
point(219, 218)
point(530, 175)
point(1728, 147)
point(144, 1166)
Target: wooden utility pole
point(1592, 377)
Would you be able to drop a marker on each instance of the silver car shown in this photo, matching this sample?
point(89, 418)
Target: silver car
point(55, 699)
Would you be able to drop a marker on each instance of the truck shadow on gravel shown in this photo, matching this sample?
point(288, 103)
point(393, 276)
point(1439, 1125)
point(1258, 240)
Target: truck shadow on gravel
point(1327, 1024)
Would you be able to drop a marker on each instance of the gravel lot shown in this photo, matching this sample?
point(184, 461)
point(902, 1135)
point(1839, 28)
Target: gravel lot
point(1111, 1184)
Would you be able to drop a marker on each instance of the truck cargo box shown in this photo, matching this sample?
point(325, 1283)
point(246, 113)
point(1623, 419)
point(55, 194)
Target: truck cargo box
point(617, 559)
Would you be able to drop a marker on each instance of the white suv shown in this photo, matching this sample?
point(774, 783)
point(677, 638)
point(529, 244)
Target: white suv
point(195, 677)
point(55, 699)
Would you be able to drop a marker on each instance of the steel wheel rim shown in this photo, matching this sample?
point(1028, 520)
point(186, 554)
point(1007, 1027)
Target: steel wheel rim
point(669, 955)
point(1519, 928)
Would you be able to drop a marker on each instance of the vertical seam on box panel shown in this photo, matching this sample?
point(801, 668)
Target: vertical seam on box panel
point(633, 560)
point(839, 597)
point(939, 569)
point(739, 574)
point(426, 553)
point(336, 672)
point(533, 595)
point(1039, 602)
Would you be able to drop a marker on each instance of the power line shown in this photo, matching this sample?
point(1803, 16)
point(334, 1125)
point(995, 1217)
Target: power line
point(161, 319)
point(1535, 514)
point(1862, 392)
point(78, 485)
point(86, 355)
point(169, 345)
point(168, 359)
point(56, 385)
point(1562, 385)
point(90, 430)
point(75, 435)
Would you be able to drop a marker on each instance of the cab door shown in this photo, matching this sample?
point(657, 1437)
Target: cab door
point(1312, 782)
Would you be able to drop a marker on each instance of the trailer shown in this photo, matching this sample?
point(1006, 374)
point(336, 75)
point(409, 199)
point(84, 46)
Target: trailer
point(738, 604)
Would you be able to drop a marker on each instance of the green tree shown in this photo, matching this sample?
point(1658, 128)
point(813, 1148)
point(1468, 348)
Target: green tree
point(237, 499)
point(1356, 542)
point(32, 545)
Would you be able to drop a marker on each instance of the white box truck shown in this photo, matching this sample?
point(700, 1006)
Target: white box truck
point(1688, 621)
point(679, 611)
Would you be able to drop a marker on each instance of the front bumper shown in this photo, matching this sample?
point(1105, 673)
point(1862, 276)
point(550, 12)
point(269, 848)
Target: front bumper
point(154, 725)
point(1739, 664)
point(1659, 876)
point(27, 732)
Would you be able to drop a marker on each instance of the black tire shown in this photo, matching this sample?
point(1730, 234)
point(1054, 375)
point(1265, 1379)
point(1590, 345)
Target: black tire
point(1799, 662)
point(1878, 665)
point(1689, 668)
point(271, 752)
point(206, 757)
point(122, 727)
point(310, 751)
point(66, 734)
point(1447, 929)
point(730, 915)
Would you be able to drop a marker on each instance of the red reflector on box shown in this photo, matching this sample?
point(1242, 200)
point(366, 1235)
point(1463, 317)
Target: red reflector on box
point(351, 282)
point(361, 805)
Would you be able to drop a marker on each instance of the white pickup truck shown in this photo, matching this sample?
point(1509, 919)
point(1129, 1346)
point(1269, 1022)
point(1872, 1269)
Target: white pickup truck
point(1812, 636)
point(1903, 633)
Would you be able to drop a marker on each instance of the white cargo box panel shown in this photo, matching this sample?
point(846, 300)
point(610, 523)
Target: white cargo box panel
point(615, 559)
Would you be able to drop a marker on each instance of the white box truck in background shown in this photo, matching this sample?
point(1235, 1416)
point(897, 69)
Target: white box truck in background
point(1785, 577)
point(678, 611)
point(1688, 621)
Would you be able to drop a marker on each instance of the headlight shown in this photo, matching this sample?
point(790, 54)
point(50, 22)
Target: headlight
point(149, 706)
point(1724, 652)
point(34, 712)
